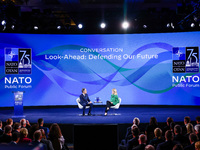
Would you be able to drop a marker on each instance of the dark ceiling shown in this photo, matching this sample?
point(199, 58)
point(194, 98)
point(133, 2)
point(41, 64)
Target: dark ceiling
point(156, 15)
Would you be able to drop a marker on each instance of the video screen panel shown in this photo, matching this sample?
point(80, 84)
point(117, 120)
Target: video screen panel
point(146, 69)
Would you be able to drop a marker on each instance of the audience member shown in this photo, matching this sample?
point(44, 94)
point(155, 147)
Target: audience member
point(25, 124)
point(172, 125)
point(149, 147)
point(158, 138)
point(186, 121)
point(1, 130)
point(16, 127)
point(197, 145)
point(168, 121)
point(134, 141)
point(179, 137)
point(193, 138)
point(190, 129)
point(142, 142)
point(150, 128)
point(178, 147)
point(15, 138)
point(56, 137)
point(6, 137)
point(24, 136)
point(37, 136)
point(128, 136)
point(32, 129)
point(197, 130)
point(41, 126)
point(198, 119)
point(45, 141)
point(169, 143)
point(9, 122)
point(43, 134)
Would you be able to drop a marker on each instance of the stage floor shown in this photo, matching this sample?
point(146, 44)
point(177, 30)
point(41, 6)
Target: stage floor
point(125, 115)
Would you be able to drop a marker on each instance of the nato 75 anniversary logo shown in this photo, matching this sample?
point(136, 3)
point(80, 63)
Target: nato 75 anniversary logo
point(18, 61)
point(185, 59)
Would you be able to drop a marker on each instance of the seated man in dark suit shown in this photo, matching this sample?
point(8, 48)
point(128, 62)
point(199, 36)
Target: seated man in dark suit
point(134, 141)
point(25, 124)
point(40, 124)
point(136, 122)
point(169, 143)
point(1, 130)
point(129, 136)
point(186, 121)
point(16, 128)
point(142, 142)
point(15, 138)
point(158, 138)
point(45, 141)
point(169, 121)
point(181, 139)
point(37, 136)
point(7, 136)
point(193, 138)
point(85, 101)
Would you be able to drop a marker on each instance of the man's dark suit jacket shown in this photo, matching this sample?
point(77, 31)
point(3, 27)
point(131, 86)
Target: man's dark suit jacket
point(139, 147)
point(183, 140)
point(168, 145)
point(132, 143)
point(4, 138)
point(190, 147)
point(1, 131)
point(128, 135)
point(84, 99)
point(48, 143)
point(156, 141)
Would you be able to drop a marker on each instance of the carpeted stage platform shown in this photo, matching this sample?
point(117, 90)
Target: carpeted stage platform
point(72, 115)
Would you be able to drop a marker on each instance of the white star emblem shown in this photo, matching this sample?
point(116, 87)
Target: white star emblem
point(11, 55)
point(179, 53)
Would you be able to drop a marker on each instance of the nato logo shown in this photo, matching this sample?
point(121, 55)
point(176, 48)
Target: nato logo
point(18, 61)
point(185, 59)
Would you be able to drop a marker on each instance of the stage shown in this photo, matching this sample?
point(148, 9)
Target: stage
point(124, 115)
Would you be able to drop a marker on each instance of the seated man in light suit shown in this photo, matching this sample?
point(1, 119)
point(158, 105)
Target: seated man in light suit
point(85, 101)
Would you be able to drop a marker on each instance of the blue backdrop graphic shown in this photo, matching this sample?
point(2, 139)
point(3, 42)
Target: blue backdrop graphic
point(141, 71)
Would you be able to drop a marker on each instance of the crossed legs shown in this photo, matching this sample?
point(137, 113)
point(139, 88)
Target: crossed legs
point(108, 105)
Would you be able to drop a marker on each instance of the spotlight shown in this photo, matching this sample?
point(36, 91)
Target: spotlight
point(80, 26)
point(144, 26)
point(192, 25)
point(102, 25)
point(13, 27)
point(172, 25)
point(35, 27)
point(168, 25)
point(125, 25)
point(3, 22)
point(58, 27)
